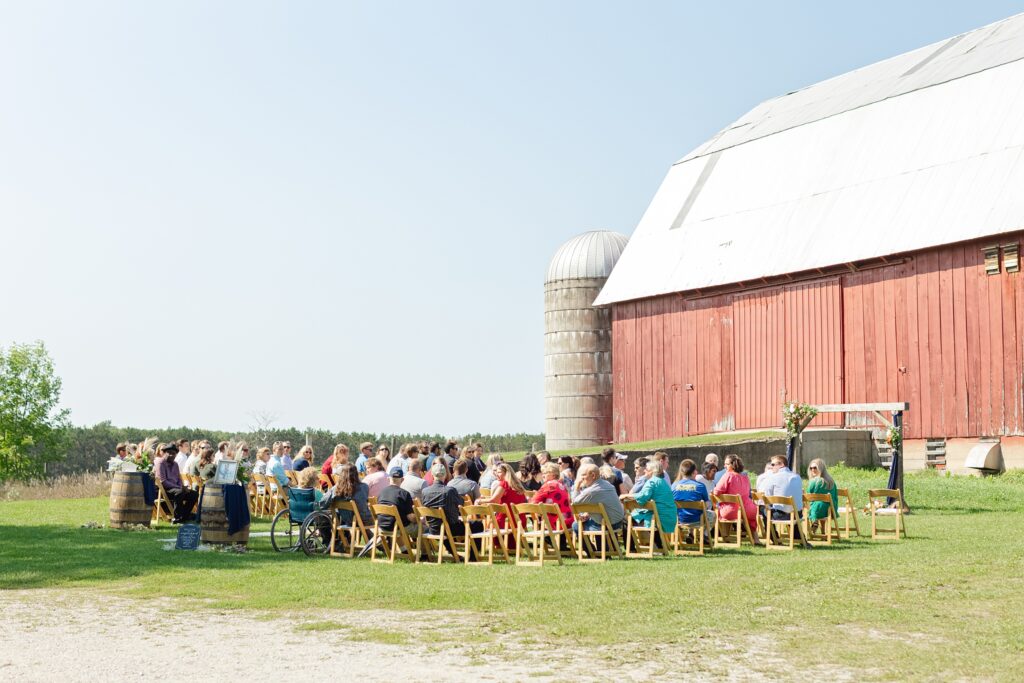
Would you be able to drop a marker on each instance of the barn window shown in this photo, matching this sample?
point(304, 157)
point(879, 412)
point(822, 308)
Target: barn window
point(1011, 258)
point(991, 260)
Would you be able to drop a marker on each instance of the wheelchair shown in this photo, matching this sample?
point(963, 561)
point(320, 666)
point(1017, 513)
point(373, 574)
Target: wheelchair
point(301, 525)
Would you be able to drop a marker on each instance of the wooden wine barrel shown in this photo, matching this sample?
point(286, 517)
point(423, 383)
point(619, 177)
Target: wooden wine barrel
point(127, 502)
point(214, 521)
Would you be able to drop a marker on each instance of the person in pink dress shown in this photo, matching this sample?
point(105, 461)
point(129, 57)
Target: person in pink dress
point(736, 483)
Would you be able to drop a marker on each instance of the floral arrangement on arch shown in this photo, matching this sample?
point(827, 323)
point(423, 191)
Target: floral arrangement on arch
point(139, 458)
point(796, 416)
point(893, 438)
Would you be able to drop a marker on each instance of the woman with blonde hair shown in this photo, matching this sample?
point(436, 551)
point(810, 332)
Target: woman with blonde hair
point(506, 490)
point(304, 459)
point(338, 458)
point(821, 482)
point(489, 475)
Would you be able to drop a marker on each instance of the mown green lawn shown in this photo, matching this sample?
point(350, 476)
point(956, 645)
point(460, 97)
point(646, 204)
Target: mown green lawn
point(946, 603)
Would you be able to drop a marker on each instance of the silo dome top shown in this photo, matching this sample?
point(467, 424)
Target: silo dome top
point(590, 255)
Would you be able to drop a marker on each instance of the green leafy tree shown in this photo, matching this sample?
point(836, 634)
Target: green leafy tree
point(33, 429)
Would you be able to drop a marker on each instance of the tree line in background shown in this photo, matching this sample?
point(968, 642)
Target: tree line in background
point(89, 448)
point(37, 439)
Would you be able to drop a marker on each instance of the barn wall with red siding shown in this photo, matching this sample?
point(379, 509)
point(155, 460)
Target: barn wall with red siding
point(931, 328)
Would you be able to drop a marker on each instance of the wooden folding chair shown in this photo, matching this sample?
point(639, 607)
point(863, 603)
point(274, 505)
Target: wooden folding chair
point(848, 511)
point(488, 537)
point(758, 499)
point(507, 532)
point(262, 490)
point(278, 495)
point(645, 538)
point(354, 534)
point(878, 503)
point(326, 480)
point(253, 495)
point(534, 537)
point(293, 478)
point(435, 544)
point(738, 526)
point(775, 524)
point(811, 534)
point(592, 546)
point(194, 483)
point(564, 532)
point(680, 546)
point(485, 493)
point(393, 540)
point(163, 508)
point(268, 495)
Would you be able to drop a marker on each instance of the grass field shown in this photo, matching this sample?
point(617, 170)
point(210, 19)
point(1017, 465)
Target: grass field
point(945, 604)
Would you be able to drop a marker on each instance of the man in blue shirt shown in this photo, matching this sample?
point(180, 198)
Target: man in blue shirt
point(365, 453)
point(275, 468)
point(784, 482)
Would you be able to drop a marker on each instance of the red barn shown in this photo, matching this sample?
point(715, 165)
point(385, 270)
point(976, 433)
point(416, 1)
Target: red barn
point(854, 241)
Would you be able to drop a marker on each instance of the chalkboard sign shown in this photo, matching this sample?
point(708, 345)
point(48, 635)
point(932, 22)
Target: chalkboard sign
point(188, 537)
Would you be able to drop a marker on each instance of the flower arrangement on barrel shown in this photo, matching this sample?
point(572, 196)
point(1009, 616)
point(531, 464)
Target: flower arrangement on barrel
point(796, 417)
point(139, 458)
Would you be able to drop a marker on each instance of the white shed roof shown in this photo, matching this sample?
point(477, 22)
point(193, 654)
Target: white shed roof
point(919, 150)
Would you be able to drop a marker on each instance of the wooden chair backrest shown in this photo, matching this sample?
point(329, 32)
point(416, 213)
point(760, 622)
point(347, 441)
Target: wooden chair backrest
point(595, 511)
point(884, 493)
point(475, 513)
point(691, 505)
point(816, 498)
point(729, 498)
point(782, 500)
point(389, 510)
point(349, 506)
point(397, 535)
point(293, 478)
point(589, 509)
point(485, 493)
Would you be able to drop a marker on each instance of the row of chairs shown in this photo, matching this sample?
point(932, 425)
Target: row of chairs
point(535, 534)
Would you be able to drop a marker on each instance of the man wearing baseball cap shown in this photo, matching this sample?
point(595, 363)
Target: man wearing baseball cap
point(394, 494)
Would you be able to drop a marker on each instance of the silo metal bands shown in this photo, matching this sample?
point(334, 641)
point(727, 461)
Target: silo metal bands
point(577, 342)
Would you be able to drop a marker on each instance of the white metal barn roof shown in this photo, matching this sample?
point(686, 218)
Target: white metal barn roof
point(590, 255)
point(919, 150)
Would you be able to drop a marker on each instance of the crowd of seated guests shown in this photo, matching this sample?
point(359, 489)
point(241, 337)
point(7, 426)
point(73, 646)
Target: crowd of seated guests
point(447, 476)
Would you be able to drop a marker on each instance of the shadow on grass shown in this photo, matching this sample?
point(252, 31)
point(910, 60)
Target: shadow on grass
point(45, 556)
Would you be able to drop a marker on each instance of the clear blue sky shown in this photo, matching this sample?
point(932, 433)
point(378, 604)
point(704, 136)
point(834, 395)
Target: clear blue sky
point(342, 213)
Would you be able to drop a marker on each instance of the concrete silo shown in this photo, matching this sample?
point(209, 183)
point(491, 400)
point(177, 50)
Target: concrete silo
point(577, 342)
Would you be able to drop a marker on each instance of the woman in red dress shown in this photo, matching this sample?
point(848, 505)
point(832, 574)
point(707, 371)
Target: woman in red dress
point(506, 490)
point(737, 483)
